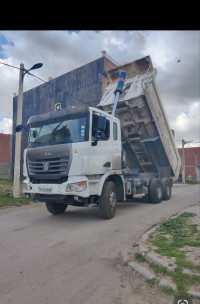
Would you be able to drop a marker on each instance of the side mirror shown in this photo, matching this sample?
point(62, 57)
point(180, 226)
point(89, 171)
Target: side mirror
point(35, 134)
point(98, 136)
point(94, 142)
point(18, 128)
point(101, 126)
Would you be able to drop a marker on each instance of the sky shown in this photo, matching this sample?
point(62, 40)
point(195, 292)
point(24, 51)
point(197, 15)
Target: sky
point(175, 55)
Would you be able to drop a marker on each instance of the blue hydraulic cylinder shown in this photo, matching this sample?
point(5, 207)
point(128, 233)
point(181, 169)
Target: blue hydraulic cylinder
point(118, 90)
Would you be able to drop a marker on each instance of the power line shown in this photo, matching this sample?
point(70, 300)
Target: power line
point(12, 66)
point(44, 81)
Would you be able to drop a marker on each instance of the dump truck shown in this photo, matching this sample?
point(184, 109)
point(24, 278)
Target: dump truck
point(97, 156)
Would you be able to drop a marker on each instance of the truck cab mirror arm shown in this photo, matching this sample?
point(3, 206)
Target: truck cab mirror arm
point(19, 128)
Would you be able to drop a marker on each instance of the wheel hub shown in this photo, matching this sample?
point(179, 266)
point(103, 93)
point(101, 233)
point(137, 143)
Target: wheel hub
point(113, 199)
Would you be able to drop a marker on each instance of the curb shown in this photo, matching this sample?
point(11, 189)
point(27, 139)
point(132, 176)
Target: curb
point(152, 257)
point(142, 270)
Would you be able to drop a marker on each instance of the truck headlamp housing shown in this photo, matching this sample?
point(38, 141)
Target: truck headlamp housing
point(76, 187)
point(25, 187)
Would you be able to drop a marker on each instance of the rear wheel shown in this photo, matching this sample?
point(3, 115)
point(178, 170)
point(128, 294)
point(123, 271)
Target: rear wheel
point(55, 208)
point(108, 200)
point(167, 188)
point(155, 191)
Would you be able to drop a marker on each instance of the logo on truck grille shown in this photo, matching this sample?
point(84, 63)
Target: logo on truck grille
point(45, 166)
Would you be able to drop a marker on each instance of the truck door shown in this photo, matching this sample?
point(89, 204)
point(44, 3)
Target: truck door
point(100, 160)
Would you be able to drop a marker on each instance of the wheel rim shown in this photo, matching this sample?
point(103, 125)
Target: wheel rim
point(113, 199)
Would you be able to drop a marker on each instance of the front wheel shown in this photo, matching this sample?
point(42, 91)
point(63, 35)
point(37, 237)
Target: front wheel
point(108, 200)
point(155, 191)
point(55, 208)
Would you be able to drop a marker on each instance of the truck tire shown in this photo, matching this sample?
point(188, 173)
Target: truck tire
point(167, 188)
point(55, 208)
point(155, 191)
point(108, 200)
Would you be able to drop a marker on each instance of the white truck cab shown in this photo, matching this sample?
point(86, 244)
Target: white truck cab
point(70, 155)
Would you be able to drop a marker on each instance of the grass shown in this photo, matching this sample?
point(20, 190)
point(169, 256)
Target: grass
point(152, 282)
point(169, 238)
point(159, 269)
point(140, 258)
point(6, 195)
point(191, 182)
point(168, 290)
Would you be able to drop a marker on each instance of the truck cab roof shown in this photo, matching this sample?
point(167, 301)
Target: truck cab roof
point(70, 110)
point(61, 113)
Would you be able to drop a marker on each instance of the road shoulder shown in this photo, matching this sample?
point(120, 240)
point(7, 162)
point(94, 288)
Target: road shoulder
point(159, 270)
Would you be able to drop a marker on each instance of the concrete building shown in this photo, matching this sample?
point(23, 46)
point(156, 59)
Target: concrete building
point(192, 162)
point(85, 84)
point(5, 155)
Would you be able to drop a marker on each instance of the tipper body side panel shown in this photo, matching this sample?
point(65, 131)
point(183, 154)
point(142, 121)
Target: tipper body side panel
point(146, 134)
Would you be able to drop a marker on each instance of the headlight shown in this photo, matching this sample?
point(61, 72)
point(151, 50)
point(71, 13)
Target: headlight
point(77, 187)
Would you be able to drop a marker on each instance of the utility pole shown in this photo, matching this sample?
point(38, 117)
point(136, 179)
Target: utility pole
point(16, 184)
point(183, 159)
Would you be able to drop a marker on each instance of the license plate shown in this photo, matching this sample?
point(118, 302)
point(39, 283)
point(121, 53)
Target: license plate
point(44, 189)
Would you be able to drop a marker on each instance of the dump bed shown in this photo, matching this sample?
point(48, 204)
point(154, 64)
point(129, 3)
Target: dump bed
point(146, 134)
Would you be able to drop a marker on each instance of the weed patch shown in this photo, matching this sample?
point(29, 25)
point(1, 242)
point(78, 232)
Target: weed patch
point(158, 269)
point(168, 290)
point(152, 282)
point(171, 238)
point(6, 195)
point(140, 258)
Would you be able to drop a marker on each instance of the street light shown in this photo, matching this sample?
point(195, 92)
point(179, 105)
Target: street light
point(16, 184)
point(34, 67)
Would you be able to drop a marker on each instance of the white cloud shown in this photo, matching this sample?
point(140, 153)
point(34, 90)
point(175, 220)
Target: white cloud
point(6, 125)
point(61, 52)
point(187, 125)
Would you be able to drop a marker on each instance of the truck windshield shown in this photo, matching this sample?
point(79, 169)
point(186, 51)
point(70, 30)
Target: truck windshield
point(68, 129)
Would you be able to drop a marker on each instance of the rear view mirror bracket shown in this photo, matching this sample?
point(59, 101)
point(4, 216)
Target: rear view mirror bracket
point(19, 128)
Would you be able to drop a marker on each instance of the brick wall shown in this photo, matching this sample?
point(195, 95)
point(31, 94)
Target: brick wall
point(192, 162)
point(5, 153)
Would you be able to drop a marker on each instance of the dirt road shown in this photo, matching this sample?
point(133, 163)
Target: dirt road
point(75, 258)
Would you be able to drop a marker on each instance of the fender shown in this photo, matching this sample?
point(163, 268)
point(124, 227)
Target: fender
point(117, 177)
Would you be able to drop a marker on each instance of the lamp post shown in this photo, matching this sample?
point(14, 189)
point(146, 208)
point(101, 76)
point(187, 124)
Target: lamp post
point(16, 183)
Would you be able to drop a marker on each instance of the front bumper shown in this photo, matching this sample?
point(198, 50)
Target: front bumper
point(63, 189)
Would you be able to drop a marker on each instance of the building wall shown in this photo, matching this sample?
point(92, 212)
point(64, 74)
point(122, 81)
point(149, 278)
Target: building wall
point(82, 85)
point(192, 162)
point(5, 156)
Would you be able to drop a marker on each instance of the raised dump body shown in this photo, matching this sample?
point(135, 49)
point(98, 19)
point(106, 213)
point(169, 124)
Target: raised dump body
point(146, 135)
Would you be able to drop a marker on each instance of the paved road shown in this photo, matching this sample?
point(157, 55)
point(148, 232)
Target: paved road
point(74, 258)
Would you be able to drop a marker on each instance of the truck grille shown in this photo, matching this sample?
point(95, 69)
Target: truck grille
point(51, 166)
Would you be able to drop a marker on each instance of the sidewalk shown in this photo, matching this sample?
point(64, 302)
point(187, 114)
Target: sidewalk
point(161, 269)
